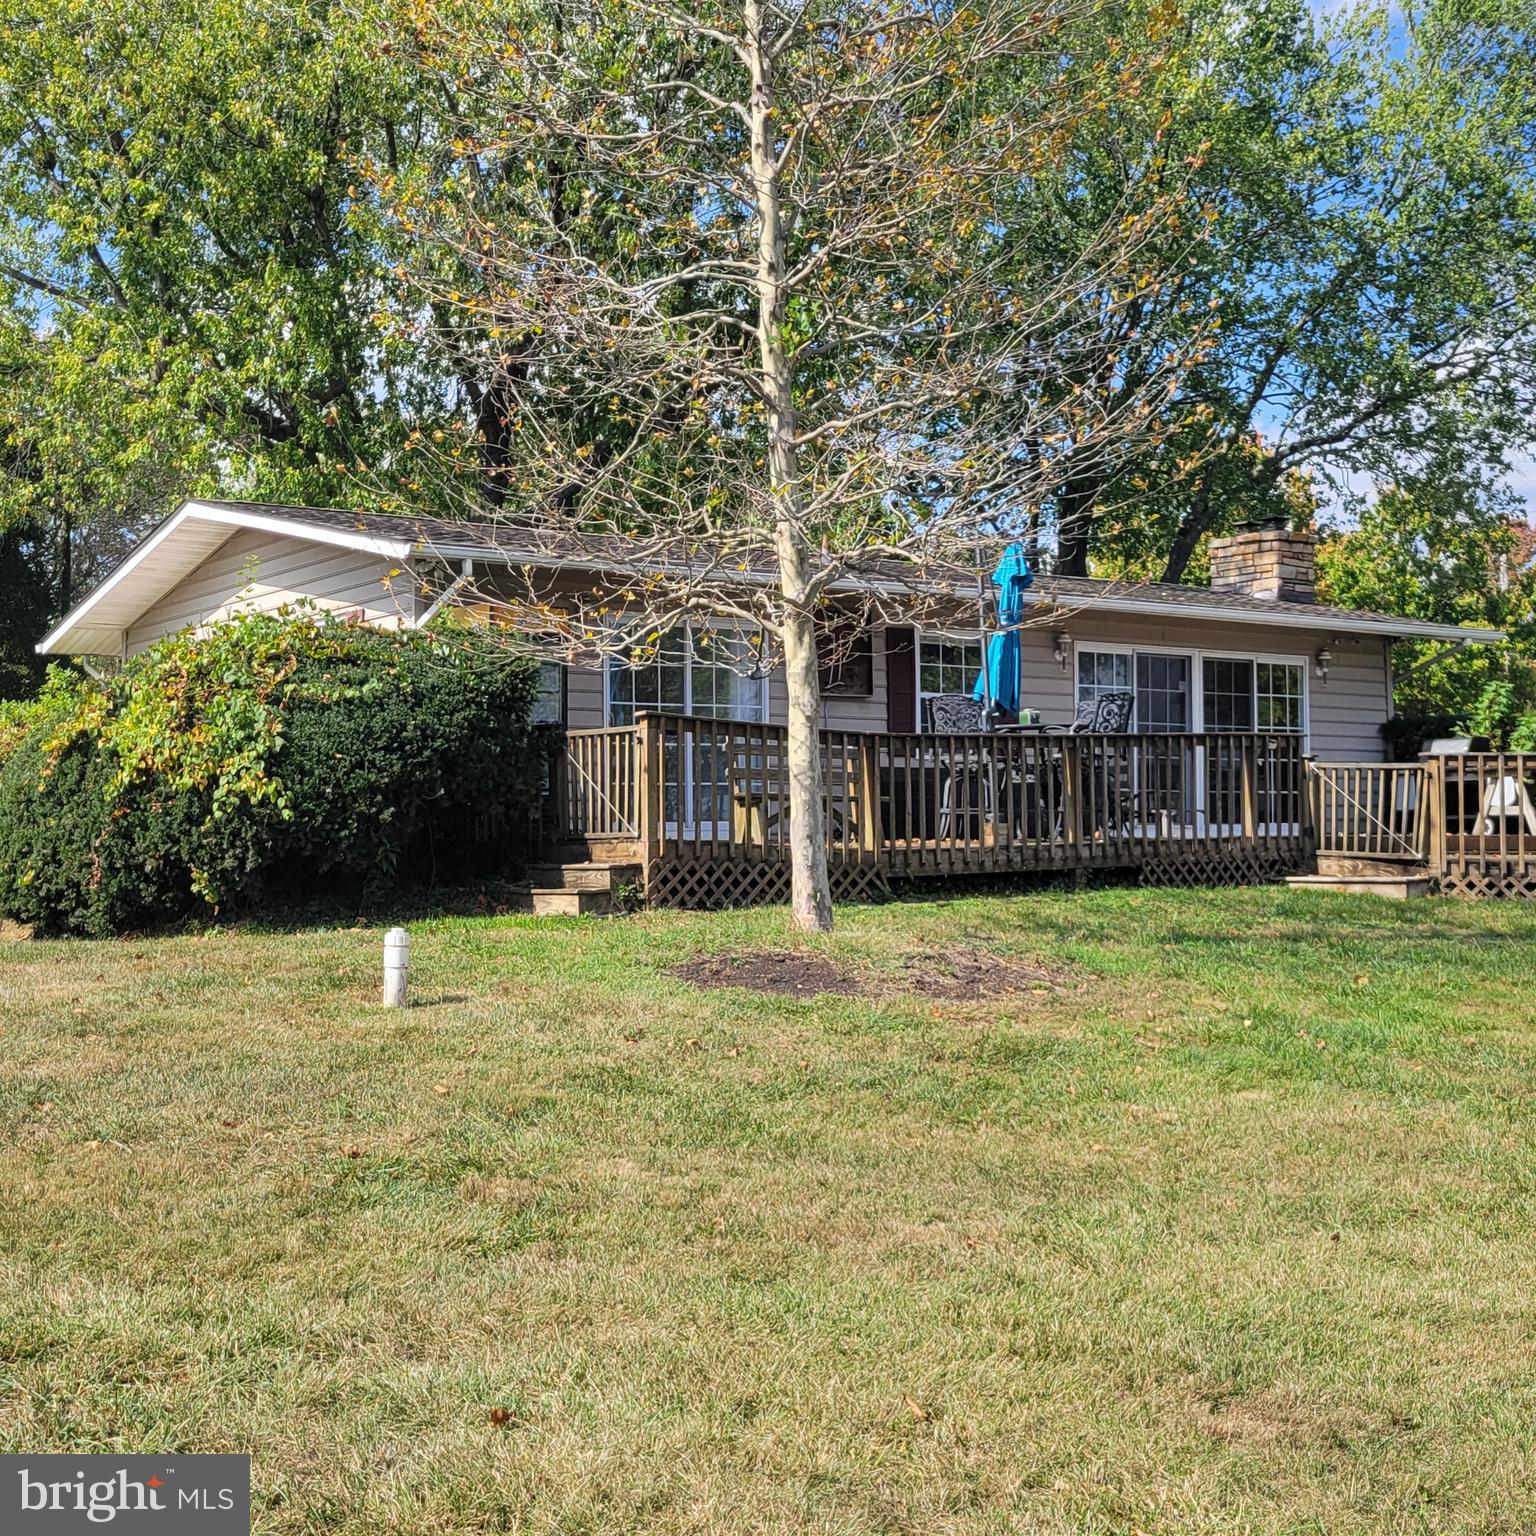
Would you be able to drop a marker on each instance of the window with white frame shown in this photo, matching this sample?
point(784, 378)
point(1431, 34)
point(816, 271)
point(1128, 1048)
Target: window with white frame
point(1279, 692)
point(726, 680)
point(1227, 693)
point(1236, 693)
point(691, 670)
point(946, 664)
point(1165, 703)
point(1101, 672)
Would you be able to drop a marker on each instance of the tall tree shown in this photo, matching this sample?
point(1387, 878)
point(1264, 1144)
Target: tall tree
point(1372, 265)
point(1449, 547)
point(190, 274)
point(780, 250)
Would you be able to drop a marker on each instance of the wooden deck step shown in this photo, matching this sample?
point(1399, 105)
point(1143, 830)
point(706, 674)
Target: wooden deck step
point(558, 901)
point(1348, 867)
point(1403, 886)
point(583, 875)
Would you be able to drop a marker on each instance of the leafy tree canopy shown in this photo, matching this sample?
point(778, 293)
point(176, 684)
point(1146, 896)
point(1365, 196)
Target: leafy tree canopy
point(1371, 265)
point(1447, 547)
point(191, 282)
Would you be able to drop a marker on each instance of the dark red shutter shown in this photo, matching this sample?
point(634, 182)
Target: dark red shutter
point(900, 679)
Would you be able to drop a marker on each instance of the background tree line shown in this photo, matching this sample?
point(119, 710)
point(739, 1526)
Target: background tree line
point(202, 292)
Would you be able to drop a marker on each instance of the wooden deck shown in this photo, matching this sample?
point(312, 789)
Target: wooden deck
point(702, 806)
point(1469, 822)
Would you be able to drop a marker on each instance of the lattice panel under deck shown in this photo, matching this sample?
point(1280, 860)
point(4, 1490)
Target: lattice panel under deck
point(1233, 865)
point(1490, 881)
point(710, 884)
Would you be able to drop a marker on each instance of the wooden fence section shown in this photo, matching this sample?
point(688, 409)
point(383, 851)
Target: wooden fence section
point(1378, 811)
point(704, 805)
point(1469, 820)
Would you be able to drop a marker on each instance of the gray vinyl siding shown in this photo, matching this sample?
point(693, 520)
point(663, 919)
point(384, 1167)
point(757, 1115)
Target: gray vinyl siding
point(1344, 713)
point(256, 572)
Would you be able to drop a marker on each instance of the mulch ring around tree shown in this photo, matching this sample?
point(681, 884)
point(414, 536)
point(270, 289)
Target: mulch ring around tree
point(969, 972)
point(964, 973)
point(773, 972)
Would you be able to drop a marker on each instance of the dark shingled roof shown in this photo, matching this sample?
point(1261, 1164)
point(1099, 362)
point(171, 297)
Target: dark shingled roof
point(524, 542)
point(527, 543)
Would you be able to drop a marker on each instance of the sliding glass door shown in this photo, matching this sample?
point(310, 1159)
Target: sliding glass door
point(1164, 701)
point(1240, 694)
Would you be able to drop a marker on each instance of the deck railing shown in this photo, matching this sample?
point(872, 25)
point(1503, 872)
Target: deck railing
point(690, 791)
point(1489, 813)
point(1469, 820)
point(687, 788)
point(597, 783)
point(1378, 811)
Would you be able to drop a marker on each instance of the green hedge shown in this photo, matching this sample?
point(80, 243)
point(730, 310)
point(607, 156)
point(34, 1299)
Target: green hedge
point(282, 759)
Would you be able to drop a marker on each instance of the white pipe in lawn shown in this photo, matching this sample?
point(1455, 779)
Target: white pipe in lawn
point(397, 965)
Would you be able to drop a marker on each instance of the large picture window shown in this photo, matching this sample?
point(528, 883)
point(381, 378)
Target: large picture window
point(1235, 693)
point(691, 670)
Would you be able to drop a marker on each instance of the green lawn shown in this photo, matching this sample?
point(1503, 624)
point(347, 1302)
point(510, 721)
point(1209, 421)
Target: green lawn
point(1227, 1229)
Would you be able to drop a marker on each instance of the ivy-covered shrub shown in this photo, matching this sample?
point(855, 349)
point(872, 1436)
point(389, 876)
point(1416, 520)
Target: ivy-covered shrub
point(15, 722)
point(283, 757)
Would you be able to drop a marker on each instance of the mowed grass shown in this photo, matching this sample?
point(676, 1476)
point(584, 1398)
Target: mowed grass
point(1231, 1231)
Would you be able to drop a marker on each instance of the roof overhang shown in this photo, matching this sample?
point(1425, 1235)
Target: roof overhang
point(1334, 621)
point(95, 626)
point(1282, 614)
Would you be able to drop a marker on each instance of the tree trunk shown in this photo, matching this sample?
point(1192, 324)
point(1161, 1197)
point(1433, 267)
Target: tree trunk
point(810, 887)
point(1074, 532)
point(811, 892)
point(1192, 528)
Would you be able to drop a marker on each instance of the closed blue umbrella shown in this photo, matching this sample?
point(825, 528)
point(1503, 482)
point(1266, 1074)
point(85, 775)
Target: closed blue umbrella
point(999, 676)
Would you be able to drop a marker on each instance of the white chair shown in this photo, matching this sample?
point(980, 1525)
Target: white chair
point(1505, 797)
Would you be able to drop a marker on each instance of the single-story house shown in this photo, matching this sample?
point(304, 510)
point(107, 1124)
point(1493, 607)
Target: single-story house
point(1250, 714)
point(1253, 651)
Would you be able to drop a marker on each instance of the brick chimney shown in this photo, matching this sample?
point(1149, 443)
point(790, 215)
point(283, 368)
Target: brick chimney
point(1266, 560)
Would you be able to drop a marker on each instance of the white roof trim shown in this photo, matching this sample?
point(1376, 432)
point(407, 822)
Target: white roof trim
point(72, 619)
point(1279, 615)
point(369, 543)
point(392, 549)
point(1285, 615)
